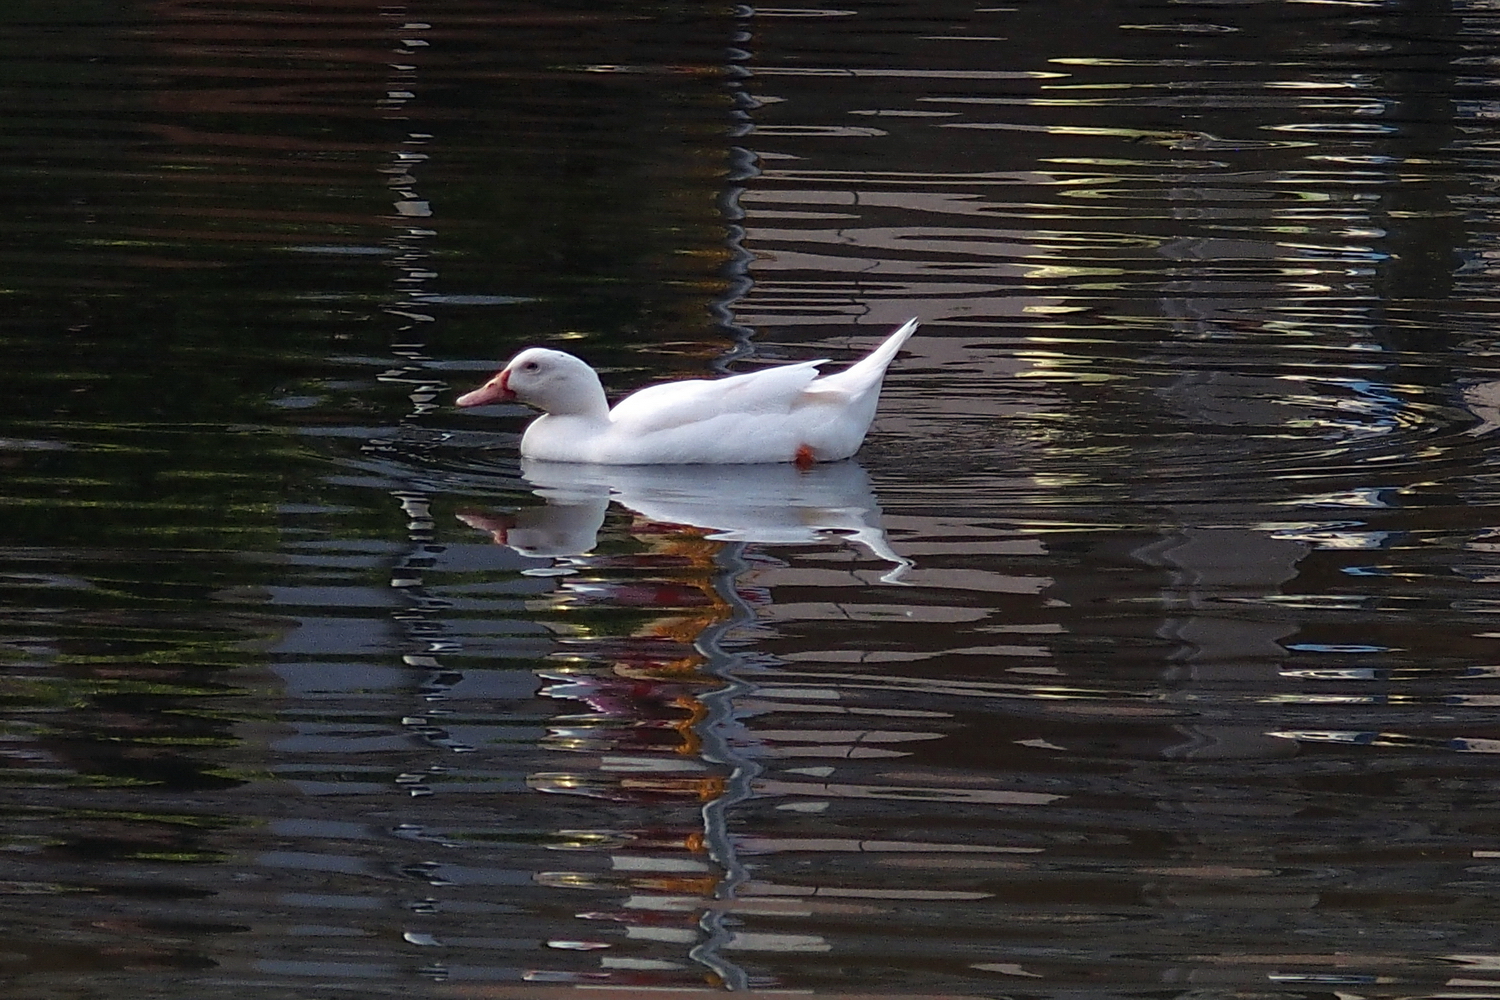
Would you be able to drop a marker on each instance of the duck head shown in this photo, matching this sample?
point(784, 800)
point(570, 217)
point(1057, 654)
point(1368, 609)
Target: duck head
point(550, 381)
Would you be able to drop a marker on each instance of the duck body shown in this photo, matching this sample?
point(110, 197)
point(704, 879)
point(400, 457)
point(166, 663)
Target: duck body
point(791, 413)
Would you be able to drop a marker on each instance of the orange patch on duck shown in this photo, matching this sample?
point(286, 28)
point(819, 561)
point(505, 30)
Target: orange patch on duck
point(805, 459)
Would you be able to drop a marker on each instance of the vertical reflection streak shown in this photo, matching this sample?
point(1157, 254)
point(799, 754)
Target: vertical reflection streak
point(743, 166)
point(718, 746)
point(418, 619)
point(715, 729)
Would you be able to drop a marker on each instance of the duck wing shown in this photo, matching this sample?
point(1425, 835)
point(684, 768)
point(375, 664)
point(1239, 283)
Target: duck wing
point(677, 404)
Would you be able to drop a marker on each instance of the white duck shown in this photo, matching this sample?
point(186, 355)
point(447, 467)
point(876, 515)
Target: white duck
point(783, 414)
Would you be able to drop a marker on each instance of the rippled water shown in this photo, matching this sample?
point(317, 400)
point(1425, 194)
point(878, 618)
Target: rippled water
point(1149, 648)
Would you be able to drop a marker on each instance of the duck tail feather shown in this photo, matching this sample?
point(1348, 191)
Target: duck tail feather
point(870, 369)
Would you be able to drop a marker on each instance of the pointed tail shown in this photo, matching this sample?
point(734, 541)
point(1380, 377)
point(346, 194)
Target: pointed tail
point(869, 370)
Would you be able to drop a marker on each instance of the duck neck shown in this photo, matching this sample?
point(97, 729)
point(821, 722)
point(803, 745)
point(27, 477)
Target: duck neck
point(588, 403)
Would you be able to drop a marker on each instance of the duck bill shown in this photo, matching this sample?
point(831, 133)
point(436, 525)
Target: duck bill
point(496, 524)
point(496, 390)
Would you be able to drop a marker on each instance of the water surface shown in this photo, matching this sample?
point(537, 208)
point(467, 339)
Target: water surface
point(1147, 649)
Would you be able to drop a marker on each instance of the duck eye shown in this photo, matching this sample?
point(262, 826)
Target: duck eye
point(530, 366)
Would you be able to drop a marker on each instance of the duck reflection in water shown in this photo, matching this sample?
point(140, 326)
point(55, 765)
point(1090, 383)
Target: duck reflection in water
point(768, 504)
point(663, 688)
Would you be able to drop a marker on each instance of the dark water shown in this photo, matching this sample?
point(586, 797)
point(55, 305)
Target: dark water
point(1151, 647)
